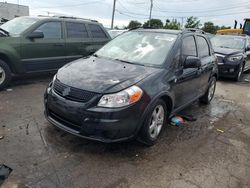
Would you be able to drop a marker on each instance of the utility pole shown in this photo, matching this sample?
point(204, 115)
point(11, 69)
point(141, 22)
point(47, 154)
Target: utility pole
point(150, 14)
point(113, 15)
point(182, 22)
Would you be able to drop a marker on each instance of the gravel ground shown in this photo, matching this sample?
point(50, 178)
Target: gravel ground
point(213, 151)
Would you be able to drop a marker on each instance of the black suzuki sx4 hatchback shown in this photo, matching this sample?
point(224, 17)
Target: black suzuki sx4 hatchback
point(130, 87)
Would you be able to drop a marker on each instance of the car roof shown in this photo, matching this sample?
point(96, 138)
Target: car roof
point(56, 18)
point(171, 31)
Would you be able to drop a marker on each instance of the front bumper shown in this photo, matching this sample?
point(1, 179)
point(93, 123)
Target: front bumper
point(228, 69)
point(91, 122)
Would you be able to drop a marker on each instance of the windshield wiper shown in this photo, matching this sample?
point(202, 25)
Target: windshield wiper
point(4, 31)
point(129, 62)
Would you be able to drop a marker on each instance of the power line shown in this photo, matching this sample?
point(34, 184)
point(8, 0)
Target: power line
point(136, 17)
point(206, 10)
point(204, 16)
point(74, 5)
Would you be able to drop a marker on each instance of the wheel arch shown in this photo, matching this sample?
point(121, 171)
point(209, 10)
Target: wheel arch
point(7, 60)
point(166, 97)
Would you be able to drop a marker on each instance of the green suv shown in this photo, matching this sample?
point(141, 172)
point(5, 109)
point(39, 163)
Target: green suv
point(40, 44)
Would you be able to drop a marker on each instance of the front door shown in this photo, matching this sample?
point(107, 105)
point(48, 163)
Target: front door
point(187, 79)
point(44, 54)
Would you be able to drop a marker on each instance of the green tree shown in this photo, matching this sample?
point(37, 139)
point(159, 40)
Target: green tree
point(133, 24)
point(225, 27)
point(209, 27)
point(172, 24)
point(192, 22)
point(155, 23)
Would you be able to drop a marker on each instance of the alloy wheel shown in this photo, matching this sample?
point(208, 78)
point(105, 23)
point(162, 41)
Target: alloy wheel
point(211, 90)
point(2, 75)
point(240, 72)
point(156, 122)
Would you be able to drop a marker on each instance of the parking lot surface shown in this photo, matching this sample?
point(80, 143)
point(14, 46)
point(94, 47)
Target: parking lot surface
point(213, 151)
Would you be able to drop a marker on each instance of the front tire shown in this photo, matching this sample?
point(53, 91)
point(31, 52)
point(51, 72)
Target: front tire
point(5, 75)
point(209, 95)
point(239, 73)
point(154, 123)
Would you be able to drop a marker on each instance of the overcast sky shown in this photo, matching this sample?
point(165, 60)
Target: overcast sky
point(221, 12)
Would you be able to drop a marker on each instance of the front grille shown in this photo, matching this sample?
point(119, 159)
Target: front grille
point(72, 93)
point(64, 121)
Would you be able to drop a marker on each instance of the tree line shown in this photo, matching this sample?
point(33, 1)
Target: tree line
point(191, 22)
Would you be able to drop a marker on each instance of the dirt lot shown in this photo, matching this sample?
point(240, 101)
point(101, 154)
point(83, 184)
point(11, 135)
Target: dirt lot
point(194, 155)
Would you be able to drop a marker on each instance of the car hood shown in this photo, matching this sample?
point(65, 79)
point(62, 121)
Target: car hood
point(227, 51)
point(102, 75)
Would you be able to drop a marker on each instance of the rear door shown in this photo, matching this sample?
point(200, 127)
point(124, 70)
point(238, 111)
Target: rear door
point(187, 80)
point(46, 53)
point(99, 35)
point(78, 40)
point(207, 62)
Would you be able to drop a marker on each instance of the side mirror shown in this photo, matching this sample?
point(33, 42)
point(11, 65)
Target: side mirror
point(248, 48)
point(36, 35)
point(192, 62)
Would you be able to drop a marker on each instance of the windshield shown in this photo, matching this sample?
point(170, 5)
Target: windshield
point(147, 48)
point(113, 33)
point(232, 42)
point(18, 25)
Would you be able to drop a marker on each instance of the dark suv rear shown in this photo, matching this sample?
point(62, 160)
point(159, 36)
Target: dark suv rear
point(132, 85)
point(38, 44)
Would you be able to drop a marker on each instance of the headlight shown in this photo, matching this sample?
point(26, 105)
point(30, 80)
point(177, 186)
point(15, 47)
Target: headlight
point(235, 58)
point(123, 98)
point(54, 78)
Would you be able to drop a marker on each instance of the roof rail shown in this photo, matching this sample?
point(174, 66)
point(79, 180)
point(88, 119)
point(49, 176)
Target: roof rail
point(194, 30)
point(72, 17)
point(69, 17)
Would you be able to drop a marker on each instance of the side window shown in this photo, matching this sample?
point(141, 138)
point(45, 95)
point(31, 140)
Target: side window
point(97, 31)
point(189, 46)
point(76, 30)
point(202, 45)
point(51, 30)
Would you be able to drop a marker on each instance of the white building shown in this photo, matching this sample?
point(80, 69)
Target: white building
point(9, 11)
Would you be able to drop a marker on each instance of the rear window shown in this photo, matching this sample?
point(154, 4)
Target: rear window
point(97, 31)
point(76, 30)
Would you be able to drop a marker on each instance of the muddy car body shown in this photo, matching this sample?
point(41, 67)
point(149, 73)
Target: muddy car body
point(109, 98)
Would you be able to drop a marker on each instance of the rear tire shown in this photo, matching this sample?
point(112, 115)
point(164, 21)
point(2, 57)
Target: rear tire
point(5, 75)
point(153, 124)
point(209, 95)
point(239, 73)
